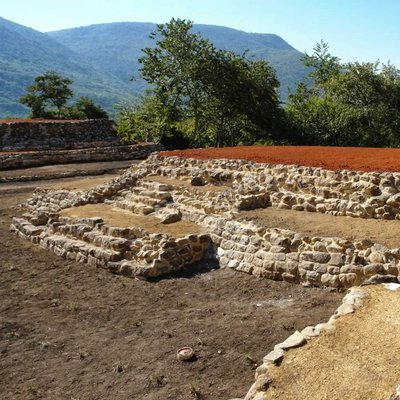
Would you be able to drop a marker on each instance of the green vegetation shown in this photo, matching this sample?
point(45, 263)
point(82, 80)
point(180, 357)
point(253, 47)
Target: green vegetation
point(48, 96)
point(26, 53)
point(206, 95)
point(353, 104)
point(195, 89)
point(116, 47)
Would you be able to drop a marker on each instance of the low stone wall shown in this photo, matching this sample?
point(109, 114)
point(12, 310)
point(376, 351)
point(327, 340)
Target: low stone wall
point(344, 193)
point(243, 246)
point(126, 251)
point(51, 157)
point(45, 135)
point(284, 255)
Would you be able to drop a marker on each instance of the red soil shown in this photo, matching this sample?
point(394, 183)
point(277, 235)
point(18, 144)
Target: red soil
point(354, 158)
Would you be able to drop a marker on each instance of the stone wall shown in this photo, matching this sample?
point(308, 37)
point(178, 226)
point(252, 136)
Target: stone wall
point(44, 135)
point(344, 192)
point(127, 251)
point(241, 245)
point(50, 157)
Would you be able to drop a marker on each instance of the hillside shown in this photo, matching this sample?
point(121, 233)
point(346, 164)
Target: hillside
point(26, 53)
point(116, 47)
point(102, 59)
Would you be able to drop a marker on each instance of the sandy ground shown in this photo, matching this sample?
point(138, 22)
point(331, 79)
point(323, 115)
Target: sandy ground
point(317, 224)
point(359, 360)
point(69, 331)
point(118, 217)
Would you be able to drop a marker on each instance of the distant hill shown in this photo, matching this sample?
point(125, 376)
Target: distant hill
point(26, 53)
point(102, 59)
point(116, 47)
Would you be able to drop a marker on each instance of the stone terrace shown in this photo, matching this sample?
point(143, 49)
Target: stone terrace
point(207, 196)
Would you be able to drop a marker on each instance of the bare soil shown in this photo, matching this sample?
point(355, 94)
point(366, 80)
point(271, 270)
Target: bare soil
point(359, 360)
point(118, 217)
point(70, 331)
point(354, 158)
point(384, 232)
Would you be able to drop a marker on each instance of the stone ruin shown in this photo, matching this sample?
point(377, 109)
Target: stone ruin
point(168, 212)
point(33, 143)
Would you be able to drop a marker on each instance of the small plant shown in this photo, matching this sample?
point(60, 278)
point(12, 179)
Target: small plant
point(119, 367)
point(251, 361)
point(74, 307)
point(195, 390)
point(157, 380)
point(34, 390)
point(44, 345)
point(82, 354)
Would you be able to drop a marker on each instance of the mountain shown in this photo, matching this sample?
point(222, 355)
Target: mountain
point(26, 53)
point(116, 47)
point(102, 59)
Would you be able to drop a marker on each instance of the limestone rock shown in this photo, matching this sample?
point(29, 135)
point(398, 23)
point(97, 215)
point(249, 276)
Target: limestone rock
point(295, 340)
point(310, 332)
point(171, 217)
point(274, 357)
point(262, 383)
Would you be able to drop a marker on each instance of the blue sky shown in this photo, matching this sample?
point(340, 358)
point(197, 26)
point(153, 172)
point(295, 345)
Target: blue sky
point(356, 30)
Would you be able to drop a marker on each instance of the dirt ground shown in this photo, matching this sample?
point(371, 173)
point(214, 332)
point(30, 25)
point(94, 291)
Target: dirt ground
point(368, 365)
point(119, 217)
point(70, 331)
point(49, 172)
point(355, 158)
point(317, 224)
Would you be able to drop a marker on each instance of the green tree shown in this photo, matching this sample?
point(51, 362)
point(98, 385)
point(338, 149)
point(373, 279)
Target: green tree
point(213, 97)
point(353, 104)
point(84, 108)
point(48, 95)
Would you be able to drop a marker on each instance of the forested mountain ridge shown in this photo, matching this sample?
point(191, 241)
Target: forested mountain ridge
point(102, 59)
point(116, 47)
point(26, 53)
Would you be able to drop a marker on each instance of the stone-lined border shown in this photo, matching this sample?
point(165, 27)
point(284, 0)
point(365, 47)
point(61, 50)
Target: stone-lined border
point(129, 251)
point(266, 252)
point(351, 302)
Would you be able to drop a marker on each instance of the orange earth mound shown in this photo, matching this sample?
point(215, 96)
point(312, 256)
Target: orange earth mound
point(354, 158)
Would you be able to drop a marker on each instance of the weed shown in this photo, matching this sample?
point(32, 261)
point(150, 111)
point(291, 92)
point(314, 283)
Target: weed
point(157, 380)
point(195, 390)
point(119, 367)
point(74, 307)
point(44, 345)
point(251, 361)
point(34, 390)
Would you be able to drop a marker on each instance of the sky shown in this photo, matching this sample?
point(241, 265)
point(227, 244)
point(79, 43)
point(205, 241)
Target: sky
point(356, 30)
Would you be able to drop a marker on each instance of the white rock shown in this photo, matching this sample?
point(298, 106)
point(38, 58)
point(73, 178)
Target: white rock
point(295, 340)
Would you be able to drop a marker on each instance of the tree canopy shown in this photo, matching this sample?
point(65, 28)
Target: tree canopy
point(210, 96)
point(349, 104)
point(47, 97)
